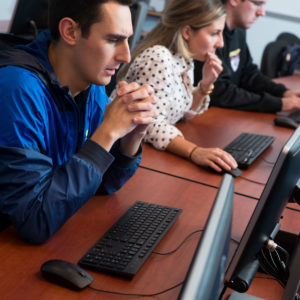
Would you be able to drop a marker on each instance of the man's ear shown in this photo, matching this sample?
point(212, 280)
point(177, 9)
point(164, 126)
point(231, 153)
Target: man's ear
point(234, 3)
point(69, 30)
point(186, 32)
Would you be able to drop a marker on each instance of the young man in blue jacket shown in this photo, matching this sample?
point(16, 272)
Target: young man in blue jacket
point(61, 140)
point(241, 85)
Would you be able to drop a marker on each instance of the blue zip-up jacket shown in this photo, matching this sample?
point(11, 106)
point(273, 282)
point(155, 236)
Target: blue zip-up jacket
point(48, 166)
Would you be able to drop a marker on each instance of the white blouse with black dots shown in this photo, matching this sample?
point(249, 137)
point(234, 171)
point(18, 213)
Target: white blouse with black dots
point(171, 77)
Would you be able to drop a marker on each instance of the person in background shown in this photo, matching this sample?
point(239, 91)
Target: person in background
point(164, 59)
point(61, 140)
point(241, 85)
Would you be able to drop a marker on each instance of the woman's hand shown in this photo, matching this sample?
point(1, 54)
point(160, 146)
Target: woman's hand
point(214, 158)
point(211, 71)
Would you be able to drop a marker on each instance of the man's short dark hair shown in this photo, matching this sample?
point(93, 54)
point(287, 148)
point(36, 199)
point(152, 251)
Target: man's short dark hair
point(84, 12)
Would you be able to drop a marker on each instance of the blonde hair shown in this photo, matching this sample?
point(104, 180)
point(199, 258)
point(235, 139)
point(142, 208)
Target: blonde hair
point(177, 14)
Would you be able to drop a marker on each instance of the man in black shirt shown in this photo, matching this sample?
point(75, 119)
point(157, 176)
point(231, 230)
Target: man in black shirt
point(241, 85)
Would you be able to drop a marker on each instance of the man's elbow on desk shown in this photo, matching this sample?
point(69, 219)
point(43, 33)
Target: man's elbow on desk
point(37, 228)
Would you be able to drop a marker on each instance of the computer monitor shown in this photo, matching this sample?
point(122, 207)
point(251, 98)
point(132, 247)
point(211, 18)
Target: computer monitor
point(30, 17)
point(264, 223)
point(205, 276)
point(7, 12)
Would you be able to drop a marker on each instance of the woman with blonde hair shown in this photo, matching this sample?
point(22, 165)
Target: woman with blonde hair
point(188, 30)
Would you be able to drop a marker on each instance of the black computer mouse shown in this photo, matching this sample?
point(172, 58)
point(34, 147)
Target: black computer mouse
point(286, 122)
point(234, 172)
point(66, 274)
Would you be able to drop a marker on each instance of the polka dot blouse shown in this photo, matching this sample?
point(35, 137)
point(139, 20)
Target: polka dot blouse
point(171, 77)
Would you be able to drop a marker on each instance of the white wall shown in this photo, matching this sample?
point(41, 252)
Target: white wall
point(282, 16)
point(6, 12)
point(285, 7)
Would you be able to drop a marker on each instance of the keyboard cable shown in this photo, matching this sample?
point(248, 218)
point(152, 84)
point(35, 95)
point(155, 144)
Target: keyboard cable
point(158, 253)
point(251, 180)
point(153, 294)
point(136, 294)
point(158, 293)
point(185, 239)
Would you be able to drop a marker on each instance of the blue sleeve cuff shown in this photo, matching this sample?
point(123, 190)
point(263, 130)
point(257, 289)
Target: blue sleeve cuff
point(123, 160)
point(96, 155)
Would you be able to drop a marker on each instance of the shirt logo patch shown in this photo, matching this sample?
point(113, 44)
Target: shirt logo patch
point(234, 57)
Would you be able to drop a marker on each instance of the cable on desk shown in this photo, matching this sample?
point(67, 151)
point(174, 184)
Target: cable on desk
point(136, 295)
point(251, 180)
point(281, 264)
point(158, 253)
point(268, 162)
point(292, 208)
point(268, 269)
point(287, 256)
point(185, 239)
point(272, 264)
point(267, 266)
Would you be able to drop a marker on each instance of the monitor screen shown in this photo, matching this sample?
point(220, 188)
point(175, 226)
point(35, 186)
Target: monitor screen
point(265, 220)
point(205, 276)
point(7, 11)
point(30, 17)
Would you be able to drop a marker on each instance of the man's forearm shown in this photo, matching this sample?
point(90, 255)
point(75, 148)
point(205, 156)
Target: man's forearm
point(130, 144)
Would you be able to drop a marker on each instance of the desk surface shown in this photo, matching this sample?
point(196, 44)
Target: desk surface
point(89, 223)
point(291, 82)
point(217, 127)
point(19, 272)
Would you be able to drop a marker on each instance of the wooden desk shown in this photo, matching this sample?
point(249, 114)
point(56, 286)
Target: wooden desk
point(216, 128)
point(291, 82)
point(19, 272)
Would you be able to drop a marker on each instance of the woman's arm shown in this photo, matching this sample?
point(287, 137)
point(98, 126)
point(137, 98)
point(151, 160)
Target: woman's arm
point(214, 158)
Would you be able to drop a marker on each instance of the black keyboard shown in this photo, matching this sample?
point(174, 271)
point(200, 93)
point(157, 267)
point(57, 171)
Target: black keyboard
point(124, 248)
point(247, 147)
